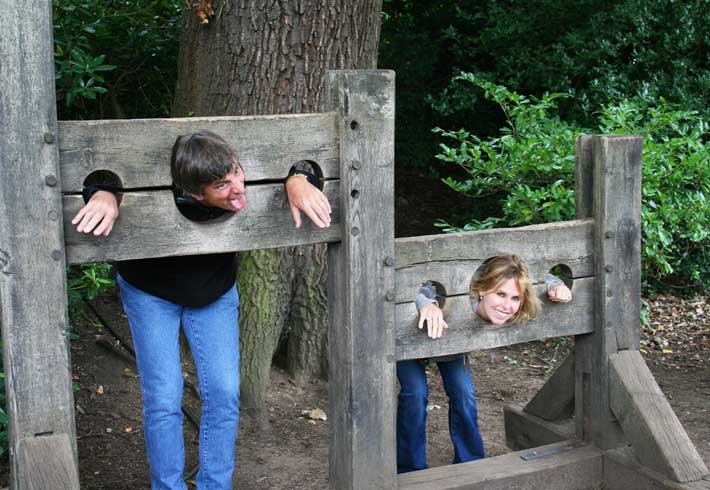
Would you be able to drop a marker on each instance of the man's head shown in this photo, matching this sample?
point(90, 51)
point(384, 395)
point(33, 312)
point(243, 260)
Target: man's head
point(207, 168)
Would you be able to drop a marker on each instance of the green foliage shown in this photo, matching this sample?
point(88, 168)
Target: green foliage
point(676, 188)
point(529, 168)
point(115, 59)
point(87, 281)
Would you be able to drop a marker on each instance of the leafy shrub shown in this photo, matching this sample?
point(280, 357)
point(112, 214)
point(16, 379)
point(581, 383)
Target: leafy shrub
point(529, 168)
point(87, 281)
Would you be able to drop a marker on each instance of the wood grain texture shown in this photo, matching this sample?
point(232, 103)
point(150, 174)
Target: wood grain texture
point(33, 302)
point(555, 400)
point(138, 150)
point(452, 259)
point(49, 464)
point(361, 286)
point(150, 225)
point(570, 469)
point(622, 471)
point(616, 162)
point(655, 433)
point(468, 332)
point(584, 176)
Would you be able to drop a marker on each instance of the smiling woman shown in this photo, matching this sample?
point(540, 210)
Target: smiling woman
point(502, 292)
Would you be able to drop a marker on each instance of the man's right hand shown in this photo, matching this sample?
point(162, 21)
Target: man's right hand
point(98, 215)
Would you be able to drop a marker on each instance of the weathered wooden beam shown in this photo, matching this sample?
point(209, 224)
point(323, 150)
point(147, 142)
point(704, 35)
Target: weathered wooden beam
point(138, 150)
point(452, 259)
point(150, 225)
point(33, 301)
point(50, 463)
point(555, 400)
point(655, 433)
point(361, 285)
point(562, 466)
point(616, 161)
point(524, 430)
point(622, 471)
point(468, 332)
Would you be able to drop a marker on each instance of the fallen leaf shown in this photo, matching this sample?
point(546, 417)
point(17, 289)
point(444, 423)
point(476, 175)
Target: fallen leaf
point(128, 429)
point(315, 414)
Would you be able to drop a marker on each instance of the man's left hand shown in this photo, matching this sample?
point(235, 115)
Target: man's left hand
point(303, 196)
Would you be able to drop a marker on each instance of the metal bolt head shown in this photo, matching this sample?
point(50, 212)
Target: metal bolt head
point(51, 180)
point(390, 358)
point(53, 215)
point(389, 261)
point(608, 235)
point(355, 231)
point(48, 138)
point(356, 165)
point(609, 268)
point(56, 255)
point(389, 296)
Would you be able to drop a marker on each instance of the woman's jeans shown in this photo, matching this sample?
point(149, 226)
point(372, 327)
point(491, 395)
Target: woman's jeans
point(411, 413)
point(213, 334)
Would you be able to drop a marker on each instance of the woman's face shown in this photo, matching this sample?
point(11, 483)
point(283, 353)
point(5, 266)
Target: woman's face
point(500, 305)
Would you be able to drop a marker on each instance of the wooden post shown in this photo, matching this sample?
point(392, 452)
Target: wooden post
point(616, 164)
point(361, 285)
point(32, 263)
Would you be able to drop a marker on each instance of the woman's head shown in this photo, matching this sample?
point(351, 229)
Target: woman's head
point(504, 291)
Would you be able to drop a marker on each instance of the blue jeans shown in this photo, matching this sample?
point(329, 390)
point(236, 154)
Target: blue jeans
point(411, 413)
point(213, 334)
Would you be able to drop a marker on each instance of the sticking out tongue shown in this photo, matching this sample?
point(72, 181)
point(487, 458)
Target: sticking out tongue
point(238, 203)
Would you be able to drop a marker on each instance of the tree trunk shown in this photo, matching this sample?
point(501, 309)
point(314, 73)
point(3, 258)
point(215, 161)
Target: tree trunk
point(256, 57)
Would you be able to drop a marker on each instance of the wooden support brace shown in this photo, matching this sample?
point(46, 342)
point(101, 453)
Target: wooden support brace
point(655, 433)
point(48, 463)
point(562, 466)
point(524, 430)
point(555, 400)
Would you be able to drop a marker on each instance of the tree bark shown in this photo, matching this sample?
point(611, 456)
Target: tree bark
point(256, 57)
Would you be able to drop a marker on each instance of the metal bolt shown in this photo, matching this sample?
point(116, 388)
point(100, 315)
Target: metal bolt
point(390, 358)
point(389, 296)
point(50, 180)
point(389, 261)
point(355, 231)
point(53, 215)
point(608, 235)
point(609, 293)
point(355, 193)
point(356, 165)
point(609, 268)
point(56, 255)
point(48, 138)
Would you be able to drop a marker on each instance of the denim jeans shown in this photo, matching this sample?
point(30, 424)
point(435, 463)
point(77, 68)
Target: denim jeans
point(213, 334)
point(411, 413)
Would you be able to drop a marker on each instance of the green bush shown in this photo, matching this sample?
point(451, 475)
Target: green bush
point(529, 170)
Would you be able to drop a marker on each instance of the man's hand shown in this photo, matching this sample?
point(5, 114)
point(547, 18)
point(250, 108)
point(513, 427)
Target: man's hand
point(434, 318)
point(98, 214)
point(302, 196)
point(559, 294)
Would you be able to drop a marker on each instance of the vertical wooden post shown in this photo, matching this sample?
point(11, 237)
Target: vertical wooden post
point(361, 285)
point(32, 265)
point(616, 207)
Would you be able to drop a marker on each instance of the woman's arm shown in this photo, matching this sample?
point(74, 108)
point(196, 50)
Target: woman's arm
point(99, 214)
point(429, 311)
point(557, 291)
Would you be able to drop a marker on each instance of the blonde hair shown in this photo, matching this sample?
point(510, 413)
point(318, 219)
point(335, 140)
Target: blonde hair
point(501, 268)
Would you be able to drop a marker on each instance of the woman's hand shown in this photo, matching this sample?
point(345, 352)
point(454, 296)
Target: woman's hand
point(98, 215)
point(559, 293)
point(434, 318)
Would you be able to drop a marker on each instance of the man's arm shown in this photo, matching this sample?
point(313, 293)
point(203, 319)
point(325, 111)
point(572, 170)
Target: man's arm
point(557, 291)
point(98, 215)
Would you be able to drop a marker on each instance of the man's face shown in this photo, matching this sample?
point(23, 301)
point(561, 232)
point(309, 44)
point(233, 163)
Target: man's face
point(226, 193)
